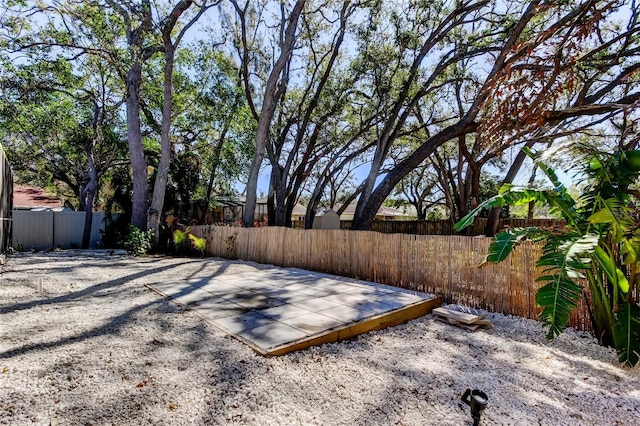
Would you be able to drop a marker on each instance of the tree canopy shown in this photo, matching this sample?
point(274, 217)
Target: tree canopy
point(368, 99)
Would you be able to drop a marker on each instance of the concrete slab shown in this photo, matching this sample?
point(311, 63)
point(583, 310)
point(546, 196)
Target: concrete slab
point(346, 313)
point(272, 335)
point(285, 312)
point(316, 304)
point(244, 322)
point(278, 310)
point(313, 322)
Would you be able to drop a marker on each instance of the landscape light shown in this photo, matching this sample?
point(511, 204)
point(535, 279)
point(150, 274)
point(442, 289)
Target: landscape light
point(477, 402)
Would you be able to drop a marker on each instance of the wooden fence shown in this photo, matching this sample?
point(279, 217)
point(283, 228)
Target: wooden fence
point(447, 266)
point(444, 227)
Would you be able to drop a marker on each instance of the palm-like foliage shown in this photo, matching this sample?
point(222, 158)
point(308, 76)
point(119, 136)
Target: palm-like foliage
point(601, 245)
point(198, 243)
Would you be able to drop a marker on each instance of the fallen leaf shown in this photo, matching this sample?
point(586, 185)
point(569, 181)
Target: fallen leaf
point(173, 406)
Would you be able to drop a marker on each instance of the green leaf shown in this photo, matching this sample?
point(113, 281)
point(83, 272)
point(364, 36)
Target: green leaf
point(563, 260)
point(558, 299)
point(613, 273)
point(615, 214)
point(504, 242)
point(601, 216)
point(629, 249)
point(505, 188)
point(626, 333)
point(515, 196)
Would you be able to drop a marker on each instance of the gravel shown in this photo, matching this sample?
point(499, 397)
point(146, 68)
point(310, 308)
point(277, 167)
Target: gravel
point(83, 342)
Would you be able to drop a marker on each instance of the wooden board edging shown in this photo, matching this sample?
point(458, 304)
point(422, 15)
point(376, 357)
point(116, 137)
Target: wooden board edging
point(378, 322)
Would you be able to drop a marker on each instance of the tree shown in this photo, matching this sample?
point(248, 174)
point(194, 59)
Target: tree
point(602, 244)
point(544, 72)
point(436, 22)
point(313, 101)
point(211, 120)
point(273, 88)
point(60, 122)
point(70, 31)
point(137, 23)
point(169, 46)
point(99, 29)
point(419, 188)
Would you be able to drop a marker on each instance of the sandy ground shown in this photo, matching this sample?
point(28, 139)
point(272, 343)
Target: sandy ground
point(82, 341)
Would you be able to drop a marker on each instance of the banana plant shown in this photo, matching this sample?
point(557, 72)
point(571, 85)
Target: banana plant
point(600, 246)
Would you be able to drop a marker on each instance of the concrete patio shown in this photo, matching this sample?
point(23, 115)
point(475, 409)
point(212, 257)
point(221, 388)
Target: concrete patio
point(279, 310)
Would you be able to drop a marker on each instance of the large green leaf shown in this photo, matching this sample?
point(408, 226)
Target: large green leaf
point(626, 333)
point(513, 197)
point(558, 299)
point(613, 273)
point(630, 249)
point(564, 259)
point(617, 215)
point(559, 199)
point(504, 242)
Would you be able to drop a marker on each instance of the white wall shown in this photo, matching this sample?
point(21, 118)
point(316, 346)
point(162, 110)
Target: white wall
point(42, 230)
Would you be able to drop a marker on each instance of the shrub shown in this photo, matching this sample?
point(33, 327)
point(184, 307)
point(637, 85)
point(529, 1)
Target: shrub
point(137, 242)
point(179, 238)
point(601, 245)
point(199, 243)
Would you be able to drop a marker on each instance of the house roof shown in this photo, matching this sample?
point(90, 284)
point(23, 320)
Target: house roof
point(299, 210)
point(382, 211)
point(32, 196)
point(390, 211)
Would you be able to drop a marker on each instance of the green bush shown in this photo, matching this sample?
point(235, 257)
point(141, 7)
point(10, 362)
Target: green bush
point(600, 246)
point(179, 238)
point(137, 242)
point(199, 243)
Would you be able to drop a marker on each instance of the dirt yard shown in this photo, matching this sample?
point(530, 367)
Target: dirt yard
point(83, 341)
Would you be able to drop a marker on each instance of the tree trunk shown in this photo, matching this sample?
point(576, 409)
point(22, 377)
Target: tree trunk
point(134, 136)
point(271, 201)
point(266, 114)
point(280, 190)
point(169, 48)
point(369, 183)
point(421, 212)
point(217, 151)
point(368, 212)
point(160, 186)
point(493, 219)
point(90, 191)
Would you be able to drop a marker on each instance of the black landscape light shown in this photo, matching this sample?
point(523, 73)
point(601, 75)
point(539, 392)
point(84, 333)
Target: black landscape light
point(477, 400)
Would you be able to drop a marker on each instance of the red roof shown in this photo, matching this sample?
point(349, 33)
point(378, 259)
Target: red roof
point(31, 196)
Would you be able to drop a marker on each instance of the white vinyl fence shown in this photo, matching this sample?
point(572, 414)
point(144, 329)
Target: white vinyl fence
point(43, 230)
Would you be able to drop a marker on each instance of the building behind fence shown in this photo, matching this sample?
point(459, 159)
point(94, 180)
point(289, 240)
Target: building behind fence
point(6, 202)
point(447, 266)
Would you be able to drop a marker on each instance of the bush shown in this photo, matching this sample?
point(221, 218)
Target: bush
point(199, 244)
point(137, 242)
point(179, 239)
